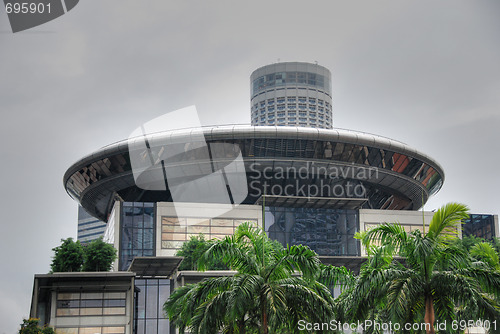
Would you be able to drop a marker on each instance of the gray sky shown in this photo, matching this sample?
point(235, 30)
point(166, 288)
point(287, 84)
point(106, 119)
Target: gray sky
point(423, 72)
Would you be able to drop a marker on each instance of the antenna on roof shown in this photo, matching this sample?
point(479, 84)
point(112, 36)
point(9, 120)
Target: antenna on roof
point(316, 62)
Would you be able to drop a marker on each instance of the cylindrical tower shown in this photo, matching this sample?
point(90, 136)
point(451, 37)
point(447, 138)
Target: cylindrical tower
point(294, 94)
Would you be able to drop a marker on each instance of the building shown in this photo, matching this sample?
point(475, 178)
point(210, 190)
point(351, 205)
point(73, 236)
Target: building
point(293, 94)
point(77, 303)
point(89, 227)
point(303, 181)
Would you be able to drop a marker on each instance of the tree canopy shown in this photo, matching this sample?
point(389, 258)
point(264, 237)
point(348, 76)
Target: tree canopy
point(193, 250)
point(68, 257)
point(72, 256)
point(98, 256)
point(273, 288)
point(30, 326)
point(433, 280)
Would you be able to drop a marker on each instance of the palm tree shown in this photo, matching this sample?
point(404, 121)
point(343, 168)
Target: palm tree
point(485, 252)
point(273, 288)
point(433, 279)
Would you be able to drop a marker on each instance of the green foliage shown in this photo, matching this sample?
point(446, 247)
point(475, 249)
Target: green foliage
point(470, 240)
point(68, 257)
point(486, 253)
point(71, 256)
point(98, 256)
point(434, 279)
point(274, 288)
point(192, 251)
point(31, 326)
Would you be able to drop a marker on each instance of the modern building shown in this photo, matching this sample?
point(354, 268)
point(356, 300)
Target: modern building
point(78, 303)
point(293, 94)
point(303, 181)
point(89, 227)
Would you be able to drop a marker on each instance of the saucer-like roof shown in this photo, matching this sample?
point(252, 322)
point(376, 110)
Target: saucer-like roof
point(400, 176)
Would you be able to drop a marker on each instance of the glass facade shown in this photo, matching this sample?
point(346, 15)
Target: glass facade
point(290, 78)
point(307, 84)
point(328, 232)
point(89, 228)
point(90, 304)
point(281, 150)
point(481, 226)
point(311, 115)
point(92, 330)
point(137, 233)
point(149, 317)
point(176, 230)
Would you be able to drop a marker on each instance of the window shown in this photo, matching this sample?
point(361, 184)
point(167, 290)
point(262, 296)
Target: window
point(312, 107)
point(312, 101)
point(152, 293)
point(301, 77)
point(279, 78)
point(270, 102)
point(280, 100)
point(291, 100)
point(320, 102)
point(302, 99)
point(292, 113)
point(311, 79)
point(176, 231)
point(138, 232)
point(90, 303)
point(292, 106)
point(302, 106)
point(302, 113)
point(91, 330)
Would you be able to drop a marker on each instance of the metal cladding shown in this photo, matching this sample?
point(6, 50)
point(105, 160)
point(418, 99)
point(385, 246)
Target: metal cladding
point(282, 162)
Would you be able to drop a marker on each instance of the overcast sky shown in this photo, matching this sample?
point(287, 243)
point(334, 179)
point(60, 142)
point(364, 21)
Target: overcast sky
point(423, 72)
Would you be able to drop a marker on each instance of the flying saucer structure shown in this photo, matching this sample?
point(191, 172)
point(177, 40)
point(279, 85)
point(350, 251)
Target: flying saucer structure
point(290, 165)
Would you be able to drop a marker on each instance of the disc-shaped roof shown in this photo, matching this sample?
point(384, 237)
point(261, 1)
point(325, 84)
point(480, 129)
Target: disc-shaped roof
point(393, 175)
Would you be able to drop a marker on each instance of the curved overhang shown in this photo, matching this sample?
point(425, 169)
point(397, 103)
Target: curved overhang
point(402, 177)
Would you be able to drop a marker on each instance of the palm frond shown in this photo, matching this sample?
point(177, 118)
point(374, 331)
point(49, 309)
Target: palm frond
point(391, 236)
point(446, 219)
point(484, 251)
